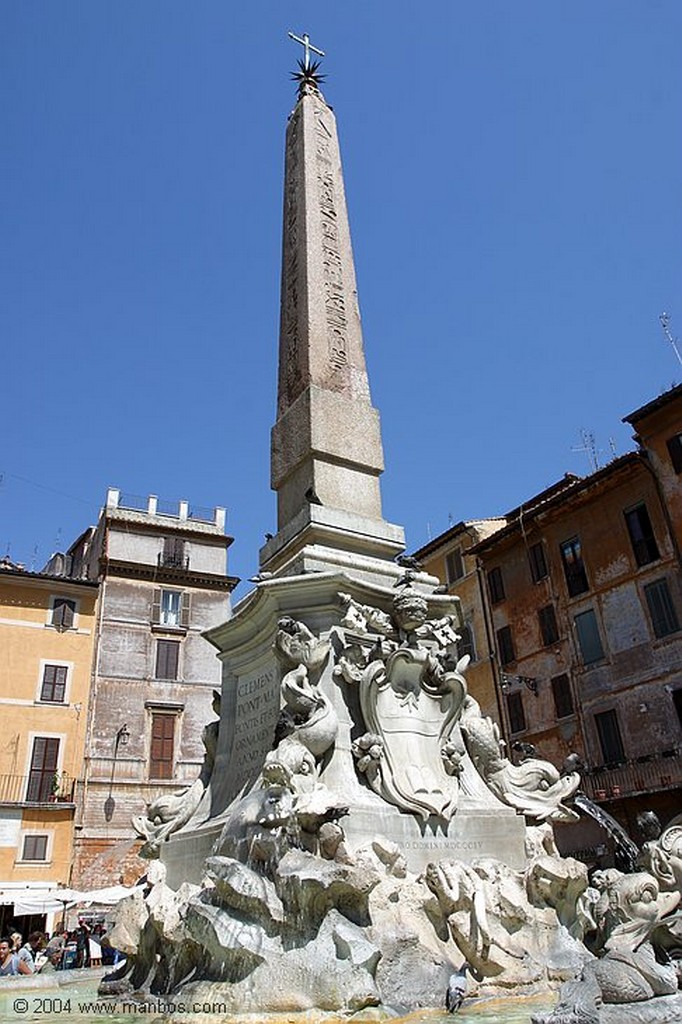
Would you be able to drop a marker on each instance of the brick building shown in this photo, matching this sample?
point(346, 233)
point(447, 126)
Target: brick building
point(583, 609)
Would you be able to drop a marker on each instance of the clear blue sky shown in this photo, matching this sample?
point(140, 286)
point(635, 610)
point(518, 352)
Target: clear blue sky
point(512, 172)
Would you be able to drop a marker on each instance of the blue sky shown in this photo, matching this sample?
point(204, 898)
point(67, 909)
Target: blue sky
point(512, 173)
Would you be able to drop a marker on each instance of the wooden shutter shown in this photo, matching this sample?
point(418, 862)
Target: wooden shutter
point(63, 612)
point(186, 601)
point(162, 746)
point(156, 606)
point(44, 761)
point(167, 653)
point(54, 683)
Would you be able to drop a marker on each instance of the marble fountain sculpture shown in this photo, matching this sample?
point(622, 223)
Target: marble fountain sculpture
point(285, 901)
point(357, 834)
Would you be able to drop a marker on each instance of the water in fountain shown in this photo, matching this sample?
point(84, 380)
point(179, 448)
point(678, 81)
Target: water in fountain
point(625, 851)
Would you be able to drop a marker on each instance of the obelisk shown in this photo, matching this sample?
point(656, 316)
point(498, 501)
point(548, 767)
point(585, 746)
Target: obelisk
point(326, 446)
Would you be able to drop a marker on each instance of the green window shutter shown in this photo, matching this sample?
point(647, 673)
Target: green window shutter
point(156, 606)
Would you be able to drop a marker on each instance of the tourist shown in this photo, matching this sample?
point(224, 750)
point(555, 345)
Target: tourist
point(29, 951)
point(17, 941)
point(82, 944)
point(56, 946)
point(9, 960)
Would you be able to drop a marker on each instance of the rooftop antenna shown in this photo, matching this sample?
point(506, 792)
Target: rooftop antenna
point(34, 559)
point(665, 324)
point(589, 446)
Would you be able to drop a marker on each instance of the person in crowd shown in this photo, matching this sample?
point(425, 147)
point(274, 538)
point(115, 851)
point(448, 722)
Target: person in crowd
point(82, 944)
point(55, 946)
point(17, 941)
point(29, 951)
point(9, 960)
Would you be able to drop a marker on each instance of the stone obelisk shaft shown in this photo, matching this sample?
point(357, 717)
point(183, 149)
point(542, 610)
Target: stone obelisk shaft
point(326, 443)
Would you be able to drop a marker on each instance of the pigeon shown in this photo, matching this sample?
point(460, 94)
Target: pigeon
point(269, 536)
point(457, 989)
point(525, 749)
point(261, 577)
point(408, 562)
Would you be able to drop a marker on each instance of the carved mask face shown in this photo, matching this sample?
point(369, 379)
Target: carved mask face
point(410, 610)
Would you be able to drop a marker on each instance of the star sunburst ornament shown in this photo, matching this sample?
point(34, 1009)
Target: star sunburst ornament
point(308, 75)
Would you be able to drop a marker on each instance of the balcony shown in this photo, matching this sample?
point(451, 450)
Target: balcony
point(37, 789)
point(648, 774)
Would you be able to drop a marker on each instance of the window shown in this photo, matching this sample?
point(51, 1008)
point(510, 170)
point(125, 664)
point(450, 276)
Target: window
point(162, 747)
point(54, 683)
point(454, 565)
point(496, 585)
point(173, 554)
point(63, 613)
point(465, 644)
point(642, 537)
point(661, 608)
point(610, 739)
point(574, 567)
point(517, 716)
point(170, 608)
point(167, 656)
point(675, 451)
point(588, 637)
point(43, 773)
point(563, 698)
point(505, 645)
point(34, 848)
point(548, 625)
point(538, 563)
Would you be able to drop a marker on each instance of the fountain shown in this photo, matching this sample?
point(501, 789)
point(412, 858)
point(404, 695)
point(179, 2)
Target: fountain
point(357, 835)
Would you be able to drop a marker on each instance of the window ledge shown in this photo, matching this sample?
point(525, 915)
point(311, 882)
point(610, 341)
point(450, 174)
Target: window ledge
point(158, 627)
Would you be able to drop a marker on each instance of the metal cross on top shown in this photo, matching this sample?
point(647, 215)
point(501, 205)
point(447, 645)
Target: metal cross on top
point(307, 47)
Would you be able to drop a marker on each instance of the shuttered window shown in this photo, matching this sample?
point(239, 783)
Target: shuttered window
point(54, 683)
point(454, 565)
point(34, 848)
point(42, 774)
point(548, 625)
point(538, 563)
point(505, 645)
point(661, 608)
point(517, 715)
point(63, 612)
point(162, 747)
point(610, 739)
point(642, 538)
point(496, 585)
point(675, 451)
point(588, 637)
point(167, 657)
point(563, 698)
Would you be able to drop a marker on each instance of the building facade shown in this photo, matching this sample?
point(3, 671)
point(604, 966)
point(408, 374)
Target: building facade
point(163, 580)
point(47, 633)
point(583, 601)
point(449, 558)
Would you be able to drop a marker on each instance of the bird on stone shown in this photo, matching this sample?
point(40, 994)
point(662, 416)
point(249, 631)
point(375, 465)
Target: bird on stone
point(269, 536)
point(457, 989)
point(261, 577)
point(408, 562)
point(311, 496)
point(441, 589)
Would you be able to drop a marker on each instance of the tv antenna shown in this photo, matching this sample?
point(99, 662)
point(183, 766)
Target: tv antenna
point(589, 446)
point(665, 324)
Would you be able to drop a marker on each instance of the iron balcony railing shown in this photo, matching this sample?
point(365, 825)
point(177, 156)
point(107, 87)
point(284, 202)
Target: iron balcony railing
point(37, 788)
point(647, 774)
point(172, 560)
